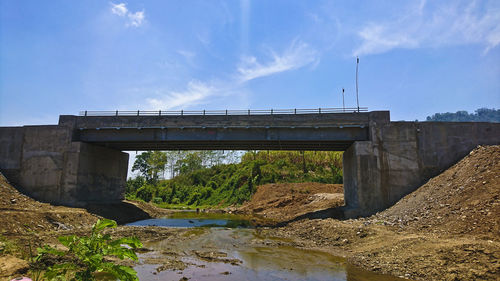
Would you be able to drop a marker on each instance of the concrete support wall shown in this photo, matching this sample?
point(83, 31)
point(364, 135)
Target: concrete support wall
point(44, 162)
point(102, 174)
point(11, 152)
point(401, 156)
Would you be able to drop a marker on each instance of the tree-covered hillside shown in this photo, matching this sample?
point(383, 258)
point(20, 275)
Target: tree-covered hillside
point(480, 115)
point(201, 182)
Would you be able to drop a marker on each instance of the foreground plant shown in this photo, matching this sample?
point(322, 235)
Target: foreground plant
point(87, 256)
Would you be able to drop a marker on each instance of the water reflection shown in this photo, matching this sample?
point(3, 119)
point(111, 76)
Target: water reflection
point(192, 219)
point(258, 259)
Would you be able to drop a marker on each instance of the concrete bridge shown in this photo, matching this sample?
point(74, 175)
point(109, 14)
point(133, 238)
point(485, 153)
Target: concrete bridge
point(80, 160)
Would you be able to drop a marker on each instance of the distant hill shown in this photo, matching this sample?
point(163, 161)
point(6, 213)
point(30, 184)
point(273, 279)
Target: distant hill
point(481, 115)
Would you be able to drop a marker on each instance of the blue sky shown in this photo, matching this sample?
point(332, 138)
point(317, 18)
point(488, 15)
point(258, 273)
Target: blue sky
point(416, 57)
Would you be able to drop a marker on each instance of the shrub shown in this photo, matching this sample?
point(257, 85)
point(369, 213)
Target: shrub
point(86, 255)
point(157, 200)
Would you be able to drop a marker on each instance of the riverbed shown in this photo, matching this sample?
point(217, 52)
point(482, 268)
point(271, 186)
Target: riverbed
point(228, 247)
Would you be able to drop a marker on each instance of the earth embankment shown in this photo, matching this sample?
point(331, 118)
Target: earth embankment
point(279, 202)
point(448, 229)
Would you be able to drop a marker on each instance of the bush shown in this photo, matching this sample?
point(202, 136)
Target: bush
point(157, 200)
point(87, 256)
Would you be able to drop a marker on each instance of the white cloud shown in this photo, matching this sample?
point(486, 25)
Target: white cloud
point(232, 91)
point(297, 55)
point(196, 92)
point(134, 19)
point(186, 54)
point(445, 24)
point(119, 9)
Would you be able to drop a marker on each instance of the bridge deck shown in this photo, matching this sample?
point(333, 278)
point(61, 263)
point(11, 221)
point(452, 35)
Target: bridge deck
point(330, 131)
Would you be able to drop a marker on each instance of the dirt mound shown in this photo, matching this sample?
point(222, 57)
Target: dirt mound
point(448, 229)
point(285, 201)
point(465, 199)
point(21, 214)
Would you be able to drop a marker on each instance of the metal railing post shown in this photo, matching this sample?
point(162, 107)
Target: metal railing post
point(271, 111)
point(159, 112)
point(117, 113)
point(249, 112)
point(137, 112)
point(85, 112)
point(203, 112)
point(319, 110)
point(182, 112)
point(226, 111)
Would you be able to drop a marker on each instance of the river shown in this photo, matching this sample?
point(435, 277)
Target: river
point(227, 247)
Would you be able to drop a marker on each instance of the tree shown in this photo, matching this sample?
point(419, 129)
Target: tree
point(150, 164)
point(480, 115)
point(190, 163)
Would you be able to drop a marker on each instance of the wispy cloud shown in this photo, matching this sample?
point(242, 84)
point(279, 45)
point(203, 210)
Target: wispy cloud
point(297, 55)
point(188, 55)
point(449, 23)
point(133, 19)
point(136, 18)
point(195, 93)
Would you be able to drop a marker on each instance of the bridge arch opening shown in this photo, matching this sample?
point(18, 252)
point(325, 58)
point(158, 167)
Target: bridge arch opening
point(222, 178)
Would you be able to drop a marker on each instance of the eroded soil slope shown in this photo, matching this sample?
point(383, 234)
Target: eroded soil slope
point(448, 229)
point(465, 199)
point(24, 223)
point(285, 201)
point(21, 214)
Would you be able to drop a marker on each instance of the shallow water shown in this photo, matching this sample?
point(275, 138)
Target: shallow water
point(193, 219)
point(239, 254)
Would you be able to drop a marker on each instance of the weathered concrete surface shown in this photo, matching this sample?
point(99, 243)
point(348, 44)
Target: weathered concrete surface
point(11, 139)
point(45, 163)
point(102, 173)
point(401, 156)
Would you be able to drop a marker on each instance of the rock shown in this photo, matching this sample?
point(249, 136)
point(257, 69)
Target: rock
point(61, 226)
point(10, 265)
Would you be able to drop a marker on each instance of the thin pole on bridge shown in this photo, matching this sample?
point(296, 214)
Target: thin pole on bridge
point(357, 97)
point(343, 102)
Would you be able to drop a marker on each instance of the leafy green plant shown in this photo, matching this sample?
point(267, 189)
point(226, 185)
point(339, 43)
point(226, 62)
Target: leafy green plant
point(86, 256)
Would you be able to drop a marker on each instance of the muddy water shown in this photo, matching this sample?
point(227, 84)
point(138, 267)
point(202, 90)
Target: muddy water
point(236, 253)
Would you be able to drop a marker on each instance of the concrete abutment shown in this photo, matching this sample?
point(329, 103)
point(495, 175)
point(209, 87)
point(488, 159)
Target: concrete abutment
point(401, 156)
point(44, 162)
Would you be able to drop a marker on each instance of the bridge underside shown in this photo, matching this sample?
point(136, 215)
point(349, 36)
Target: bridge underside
point(320, 138)
point(228, 145)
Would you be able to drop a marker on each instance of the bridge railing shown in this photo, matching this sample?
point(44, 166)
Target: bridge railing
point(223, 112)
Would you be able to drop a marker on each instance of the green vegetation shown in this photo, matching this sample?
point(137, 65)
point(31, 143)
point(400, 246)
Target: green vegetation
point(202, 179)
point(7, 246)
point(88, 256)
point(481, 115)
